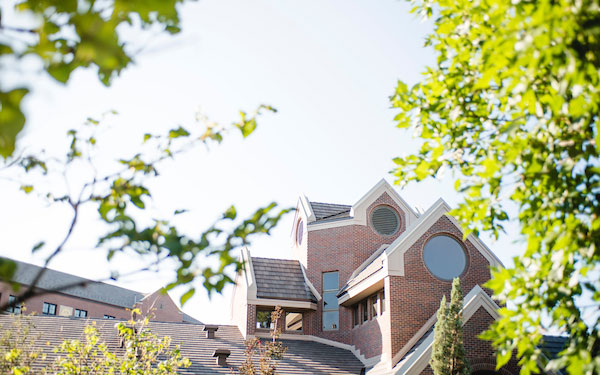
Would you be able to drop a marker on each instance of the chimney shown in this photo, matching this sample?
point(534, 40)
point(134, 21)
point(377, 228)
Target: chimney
point(210, 330)
point(221, 355)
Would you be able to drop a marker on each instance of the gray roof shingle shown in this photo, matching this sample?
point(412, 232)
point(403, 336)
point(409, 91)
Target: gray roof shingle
point(330, 211)
point(302, 357)
point(281, 279)
point(91, 290)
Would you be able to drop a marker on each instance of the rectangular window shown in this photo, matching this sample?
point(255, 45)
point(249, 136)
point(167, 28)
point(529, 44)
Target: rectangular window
point(364, 309)
point(80, 313)
point(382, 301)
point(109, 317)
point(263, 319)
point(356, 315)
point(331, 313)
point(49, 309)
point(293, 321)
point(14, 309)
point(373, 306)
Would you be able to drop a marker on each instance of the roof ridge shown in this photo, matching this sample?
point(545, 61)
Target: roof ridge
point(71, 275)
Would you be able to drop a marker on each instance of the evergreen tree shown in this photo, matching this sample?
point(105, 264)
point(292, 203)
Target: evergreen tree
point(448, 355)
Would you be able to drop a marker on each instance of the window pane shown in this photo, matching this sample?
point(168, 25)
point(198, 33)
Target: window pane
point(444, 257)
point(83, 314)
point(263, 319)
point(364, 309)
point(356, 315)
point(45, 308)
point(382, 301)
point(16, 309)
point(330, 301)
point(293, 321)
point(330, 281)
point(374, 306)
point(331, 320)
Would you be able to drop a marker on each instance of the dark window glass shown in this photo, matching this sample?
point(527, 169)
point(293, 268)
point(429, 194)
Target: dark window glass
point(80, 313)
point(110, 317)
point(444, 257)
point(364, 309)
point(373, 306)
point(293, 321)
point(331, 320)
point(356, 315)
point(49, 309)
point(15, 309)
point(299, 232)
point(263, 319)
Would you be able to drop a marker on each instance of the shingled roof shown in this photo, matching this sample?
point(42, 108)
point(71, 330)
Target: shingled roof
point(330, 211)
point(280, 279)
point(91, 290)
point(302, 357)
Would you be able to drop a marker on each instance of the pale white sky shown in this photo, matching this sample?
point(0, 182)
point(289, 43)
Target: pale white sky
point(327, 66)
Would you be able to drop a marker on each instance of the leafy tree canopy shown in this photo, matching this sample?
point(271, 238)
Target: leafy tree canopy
point(66, 35)
point(511, 106)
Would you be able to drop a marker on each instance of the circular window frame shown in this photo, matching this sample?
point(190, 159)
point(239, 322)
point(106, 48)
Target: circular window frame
point(460, 243)
point(394, 211)
point(299, 234)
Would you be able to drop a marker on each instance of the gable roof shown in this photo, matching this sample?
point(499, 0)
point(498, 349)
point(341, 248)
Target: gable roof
point(302, 357)
point(329, 211)
point(415, 358)
point(281, 279)
point(92, 290)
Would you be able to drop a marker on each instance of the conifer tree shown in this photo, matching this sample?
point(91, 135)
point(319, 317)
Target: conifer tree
point(448, 355)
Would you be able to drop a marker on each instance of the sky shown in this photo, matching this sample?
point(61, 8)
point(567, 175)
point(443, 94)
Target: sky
point(328, 67)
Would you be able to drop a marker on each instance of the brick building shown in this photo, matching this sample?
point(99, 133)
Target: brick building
point(359, 296)
point(369, 278)
point(67, 295)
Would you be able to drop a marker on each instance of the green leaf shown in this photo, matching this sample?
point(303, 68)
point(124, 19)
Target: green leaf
point(38, 246)
point(187, 295)
point(176, 133)
point(12, 119)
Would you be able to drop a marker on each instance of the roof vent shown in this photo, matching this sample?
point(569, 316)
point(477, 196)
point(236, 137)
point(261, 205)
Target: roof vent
point(385, 220)
point(221, 355)
point(210, 330)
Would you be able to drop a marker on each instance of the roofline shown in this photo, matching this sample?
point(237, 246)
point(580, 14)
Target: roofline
point(249, 272)
point(383, 183)
point(304, 203)
point(310, 285)
point(418, 229)
point(296, 304)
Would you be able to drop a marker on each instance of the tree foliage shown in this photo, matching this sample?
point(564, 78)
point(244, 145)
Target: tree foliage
point(448, 353)
point(64, 35)
point(142, 353)
point(121, 194)
point(268, 352)
point(511, 106)
point(18, 352)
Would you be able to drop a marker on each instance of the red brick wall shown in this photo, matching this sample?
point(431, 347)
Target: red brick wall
point(368, 337)
point(94, 309)
point(160, 307)
point(415, 297)
point(344, 249)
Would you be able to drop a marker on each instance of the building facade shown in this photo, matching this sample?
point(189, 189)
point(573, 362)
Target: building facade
point(369, 277)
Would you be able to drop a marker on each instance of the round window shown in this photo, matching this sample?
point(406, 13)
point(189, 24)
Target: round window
point(299, 232)
point(445, 257)
point(385, 220)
